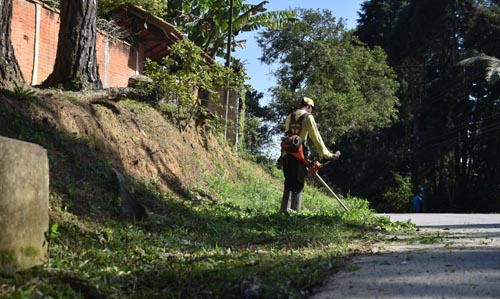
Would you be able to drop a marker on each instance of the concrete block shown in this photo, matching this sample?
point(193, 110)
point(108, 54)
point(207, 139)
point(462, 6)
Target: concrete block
point(24, 205)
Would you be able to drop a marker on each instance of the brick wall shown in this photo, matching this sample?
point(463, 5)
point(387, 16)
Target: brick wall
point(35, 30)
point(36, 50)
point(117, 61)
point(23, 35)
point(49, 35)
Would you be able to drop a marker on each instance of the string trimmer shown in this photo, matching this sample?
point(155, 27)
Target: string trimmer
point(313, 169)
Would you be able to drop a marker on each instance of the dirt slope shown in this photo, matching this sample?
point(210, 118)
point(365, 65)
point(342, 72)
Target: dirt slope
point(87, 135)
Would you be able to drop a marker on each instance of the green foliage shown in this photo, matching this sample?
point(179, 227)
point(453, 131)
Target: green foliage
point(181, 75)
point(448, 113)
point(52, 3)
point(253, 135)
point(432, 239)
point(484, 28)
point(256, 132)
point(482, 64)
point(377, 20)
point(397, 198)
point(23, 92)
point(352, 85)
point(206, 22)
point(155, 7)
point(207, 249)
point(7, 257)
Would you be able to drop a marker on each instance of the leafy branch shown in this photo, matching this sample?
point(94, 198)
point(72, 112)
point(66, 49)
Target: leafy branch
point(179, 79)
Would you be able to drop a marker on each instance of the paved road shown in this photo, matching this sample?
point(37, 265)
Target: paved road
point(450, 256)
point(449, 220)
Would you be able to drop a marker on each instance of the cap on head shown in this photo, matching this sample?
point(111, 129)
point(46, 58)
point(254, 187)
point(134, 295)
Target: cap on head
point(307, 101)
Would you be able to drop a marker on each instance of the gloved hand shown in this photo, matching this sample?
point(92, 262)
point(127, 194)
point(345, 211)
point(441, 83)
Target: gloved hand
point(314, 167)
point(336, 156)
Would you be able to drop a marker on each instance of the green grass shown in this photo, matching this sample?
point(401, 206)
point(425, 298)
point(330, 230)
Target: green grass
point(203, 250)
point(209, 248)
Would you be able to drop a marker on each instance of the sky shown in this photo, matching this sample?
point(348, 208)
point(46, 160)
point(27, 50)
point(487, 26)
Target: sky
point(259, 73)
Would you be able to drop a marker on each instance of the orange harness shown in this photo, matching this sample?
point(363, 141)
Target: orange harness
point(311, 167)
point(297, 150)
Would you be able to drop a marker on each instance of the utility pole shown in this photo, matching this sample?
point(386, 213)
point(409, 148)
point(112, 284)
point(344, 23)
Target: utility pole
point(228, 61)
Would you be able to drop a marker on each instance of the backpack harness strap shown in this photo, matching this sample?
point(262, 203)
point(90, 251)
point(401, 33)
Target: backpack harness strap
point(294, 129)
point(295, 126)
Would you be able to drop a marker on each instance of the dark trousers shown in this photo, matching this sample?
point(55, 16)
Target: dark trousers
point(295, 173)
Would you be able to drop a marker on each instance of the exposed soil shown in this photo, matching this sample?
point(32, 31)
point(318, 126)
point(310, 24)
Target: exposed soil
point(87, 135)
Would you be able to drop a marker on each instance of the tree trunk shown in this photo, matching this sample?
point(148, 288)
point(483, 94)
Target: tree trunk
point(9, 68)
point(76, 64)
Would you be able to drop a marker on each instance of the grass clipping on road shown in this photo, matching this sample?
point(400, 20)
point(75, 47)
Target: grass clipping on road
point(232, 243)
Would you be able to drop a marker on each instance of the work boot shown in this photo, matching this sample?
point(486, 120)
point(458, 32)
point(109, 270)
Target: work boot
point(296, 201)
point(285, 202)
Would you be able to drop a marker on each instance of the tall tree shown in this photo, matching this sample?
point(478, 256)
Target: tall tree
point(76, 64)
point(437, 41)
point(256, 131)
point(377, 20)
point(485, 29)
point(453, 112)
point(478, 167)
point(9, 68)
point(352, 85)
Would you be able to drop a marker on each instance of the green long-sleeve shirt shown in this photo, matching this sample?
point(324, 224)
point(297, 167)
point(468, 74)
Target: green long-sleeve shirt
point(309, 129)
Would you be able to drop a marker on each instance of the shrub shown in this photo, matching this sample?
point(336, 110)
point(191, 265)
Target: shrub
point(397, 197)
point(178, 78)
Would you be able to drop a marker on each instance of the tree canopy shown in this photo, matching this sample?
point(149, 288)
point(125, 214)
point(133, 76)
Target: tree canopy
point(445, 54)
point(352, 85)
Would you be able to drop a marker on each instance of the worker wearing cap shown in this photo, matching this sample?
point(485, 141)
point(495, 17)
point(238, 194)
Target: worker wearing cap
point(293, 169)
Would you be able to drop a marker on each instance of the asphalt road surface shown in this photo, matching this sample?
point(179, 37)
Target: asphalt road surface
point(450, 256)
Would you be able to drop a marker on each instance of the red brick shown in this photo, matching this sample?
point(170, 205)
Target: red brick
point(122, 56)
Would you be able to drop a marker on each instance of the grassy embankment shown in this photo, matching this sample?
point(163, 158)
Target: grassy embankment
point(228, 247)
